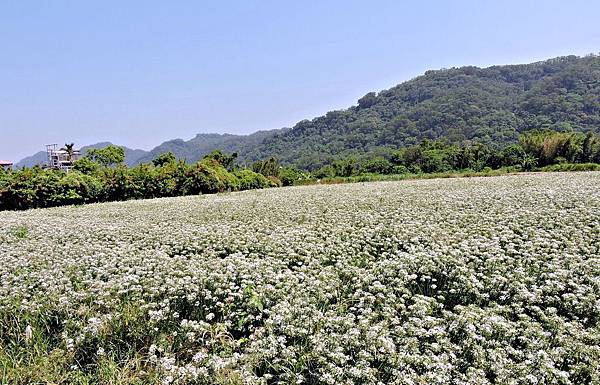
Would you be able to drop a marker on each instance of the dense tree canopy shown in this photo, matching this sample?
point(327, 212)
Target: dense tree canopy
point(108, 156)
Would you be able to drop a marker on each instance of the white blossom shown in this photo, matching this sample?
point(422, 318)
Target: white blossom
point(448, 281)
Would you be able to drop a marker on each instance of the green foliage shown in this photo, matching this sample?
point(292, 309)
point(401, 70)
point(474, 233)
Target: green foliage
point(537, 148)
point(346, 167)
point(100, 178)
point(164, 159)
point(547, 146)
point(267, 167)
point(550, 147)
point(572, 167)
point(209, 176)
point(249, 180)
point(21, 232)
point(86, 165)
point(36, 187)
point(225, 160)
point(108, 156)
point(378, 165)
point(529, 162)
point(326, 171)
point(512, 155)
point(368, 100)
point(291, 175)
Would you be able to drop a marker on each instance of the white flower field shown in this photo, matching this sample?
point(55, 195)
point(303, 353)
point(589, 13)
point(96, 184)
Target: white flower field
point(445, 281)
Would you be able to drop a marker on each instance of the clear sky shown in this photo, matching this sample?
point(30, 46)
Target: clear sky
point(140, 72)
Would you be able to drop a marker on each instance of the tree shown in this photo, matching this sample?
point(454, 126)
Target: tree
point(368, 100)
point(225, 160)
point(528, 163)
point(290, 175)
point(70, 149)
point(590, 151)
point(86, 166)
point(346, 167)
point(108, 156)
point(267, 167)
point(512, 155)
point(164, 159)
point(551, 147)
point(378, 165)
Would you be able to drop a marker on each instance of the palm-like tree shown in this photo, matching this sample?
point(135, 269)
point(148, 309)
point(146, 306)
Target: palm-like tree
point(70, 149)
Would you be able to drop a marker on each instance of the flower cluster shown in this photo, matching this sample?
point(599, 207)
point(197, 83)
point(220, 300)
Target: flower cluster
point(457, 281)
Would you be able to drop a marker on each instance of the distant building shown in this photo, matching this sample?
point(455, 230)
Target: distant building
point(6, 165)
point(61, 159)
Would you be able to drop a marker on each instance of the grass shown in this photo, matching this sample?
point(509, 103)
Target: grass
point(565, 167)
point(41, 361)
point(21, 232)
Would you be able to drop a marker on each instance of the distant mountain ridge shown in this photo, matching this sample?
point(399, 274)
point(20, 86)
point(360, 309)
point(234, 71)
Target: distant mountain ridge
point(491, 105)
point(194, 149)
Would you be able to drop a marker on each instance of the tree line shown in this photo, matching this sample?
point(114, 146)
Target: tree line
point(535, 149)
point(101, 175)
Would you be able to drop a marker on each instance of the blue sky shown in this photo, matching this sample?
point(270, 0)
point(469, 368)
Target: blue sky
point(140, 72)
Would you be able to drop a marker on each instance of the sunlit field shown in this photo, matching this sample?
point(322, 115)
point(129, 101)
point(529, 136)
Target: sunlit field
point(447, 281)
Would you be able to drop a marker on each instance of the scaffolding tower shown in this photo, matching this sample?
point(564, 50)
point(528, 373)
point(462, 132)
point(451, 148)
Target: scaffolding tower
point(61, 159)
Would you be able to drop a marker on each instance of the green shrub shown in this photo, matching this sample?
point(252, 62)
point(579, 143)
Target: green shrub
point(208, 176)
point(249, 179)
point(274, 181)
point(21, 232)
point(572, 167)
point(529, 162)
point(290, 176)
point(378, 165)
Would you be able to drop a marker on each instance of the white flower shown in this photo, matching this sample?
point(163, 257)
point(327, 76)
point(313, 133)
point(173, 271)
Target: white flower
point(28, 333)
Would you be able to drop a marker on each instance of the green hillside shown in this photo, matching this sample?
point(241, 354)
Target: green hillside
point(202, 144)
point(491, 105)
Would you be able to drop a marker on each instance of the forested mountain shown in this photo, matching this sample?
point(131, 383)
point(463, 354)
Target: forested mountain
point(490, 105)
point(194, 149)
